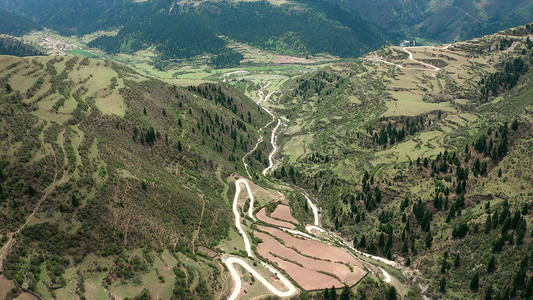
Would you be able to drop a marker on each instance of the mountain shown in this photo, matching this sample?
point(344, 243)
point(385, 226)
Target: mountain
point(97, 160)
point(424, 160)
point(403, 174)
point(183, 30)
point(12, 46)
point(444, 21)
point(16, 25)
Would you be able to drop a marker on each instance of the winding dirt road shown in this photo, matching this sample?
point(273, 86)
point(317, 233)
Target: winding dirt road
point(238, 283)
point(387, 278)
point(314, 209)
point(273, 139)
point(260, 139)
point(237, 215)
point(404, 49)
point(231, 261)
point(231, 73)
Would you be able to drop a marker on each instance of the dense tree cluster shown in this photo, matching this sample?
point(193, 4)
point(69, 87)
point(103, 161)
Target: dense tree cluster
point(389, 131)
point(321, 83)
point(371, 194)
point(215, 92)
point(227, 59)
point(16, 25)
point(493, 84)
point(12, 46)
point(490, 147)
point(148, 136)
point(188, 31)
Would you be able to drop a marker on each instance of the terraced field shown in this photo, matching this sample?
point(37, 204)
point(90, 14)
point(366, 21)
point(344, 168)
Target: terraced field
point(368, 139)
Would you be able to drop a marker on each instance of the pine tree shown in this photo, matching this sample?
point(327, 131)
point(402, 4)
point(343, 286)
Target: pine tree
point(474, 283)
point(488, 292)
point(346, 293)
point(326, 294)
point(391, 293)
point(488, 224)
point(491, 265)
point(428, 240)
point(442, 285)
point(332, 293)
point(362, 242)
point(457, 261)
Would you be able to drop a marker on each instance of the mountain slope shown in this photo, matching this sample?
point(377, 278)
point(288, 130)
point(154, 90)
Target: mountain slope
point(424, 160)
point(10, 45)
point(181, 30)
point(444, 21)
point(15, 25)
point(99, 160)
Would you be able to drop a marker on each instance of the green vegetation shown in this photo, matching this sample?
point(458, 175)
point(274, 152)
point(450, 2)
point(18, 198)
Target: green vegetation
point(98, 160)
point(112, 182)
point(16, 25)
point(13, 46)
point(192, 31)
point(441, 189)
point(443, 21)
point(256, 23)
point(83, 53)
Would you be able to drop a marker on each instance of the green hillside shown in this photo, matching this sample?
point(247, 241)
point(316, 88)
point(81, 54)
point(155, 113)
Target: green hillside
point(116, 185)
point(16, 25)
point(444, 21)
point(429, 168)
point(187, 30)
point(103, 172)
point(12, 46)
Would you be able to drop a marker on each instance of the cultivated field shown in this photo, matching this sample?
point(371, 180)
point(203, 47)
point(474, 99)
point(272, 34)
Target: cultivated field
point(261, 215)
point(312, 263)
point(283, 212)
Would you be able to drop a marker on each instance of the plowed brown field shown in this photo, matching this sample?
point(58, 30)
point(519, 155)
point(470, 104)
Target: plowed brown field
point(283, 212)
point(313, 264)
point(261, 215)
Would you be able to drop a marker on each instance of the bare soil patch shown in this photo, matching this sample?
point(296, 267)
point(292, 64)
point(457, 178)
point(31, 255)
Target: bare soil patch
point(314, 248)
point(5, 287)
point(26, 296)
point(307, 279)
point(283, 213)
point(284, 59)
point(261, 215)
point(209, 252)
point(339, 270)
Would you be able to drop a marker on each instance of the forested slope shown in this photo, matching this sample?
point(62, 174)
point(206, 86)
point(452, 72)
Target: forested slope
point(97, 160)
point(445, 21)
point(183, 30)
point(429, 168)
point(15, 25)
point(12, 46)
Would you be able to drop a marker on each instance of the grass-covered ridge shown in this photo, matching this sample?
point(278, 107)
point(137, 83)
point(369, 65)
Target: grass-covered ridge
point(99, 162)
point(416, 164)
